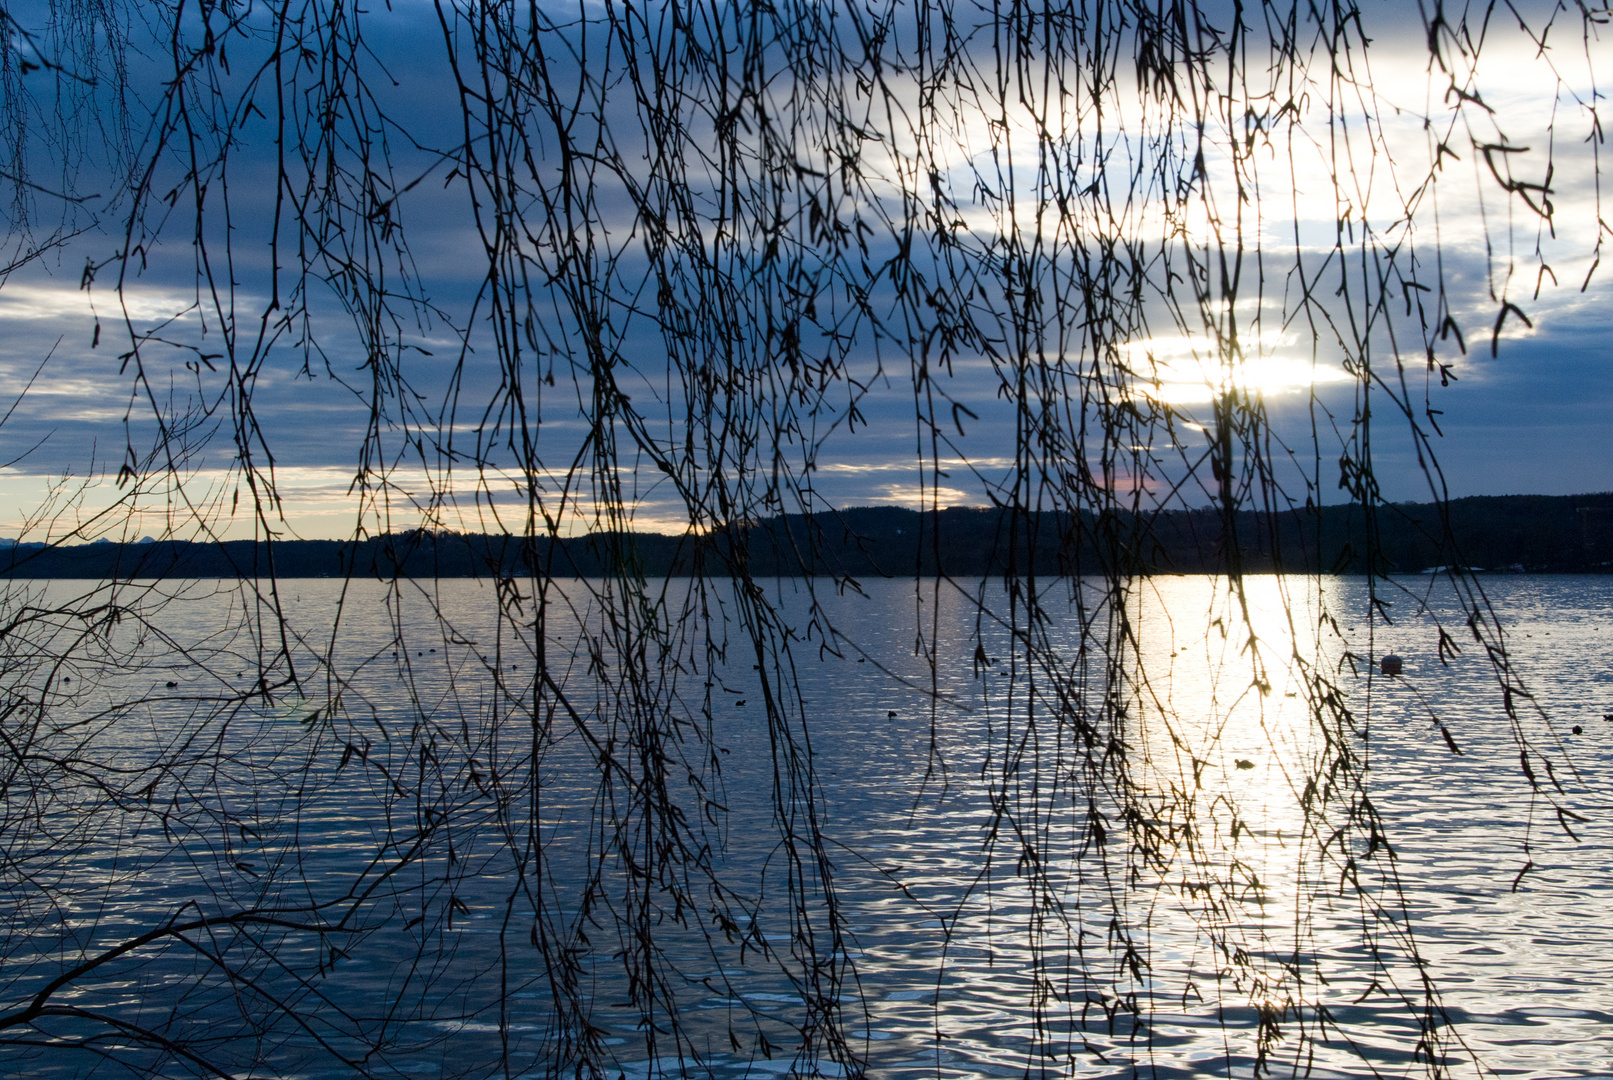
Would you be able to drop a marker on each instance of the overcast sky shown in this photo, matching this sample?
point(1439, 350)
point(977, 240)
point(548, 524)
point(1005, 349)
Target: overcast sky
point(1532, 419)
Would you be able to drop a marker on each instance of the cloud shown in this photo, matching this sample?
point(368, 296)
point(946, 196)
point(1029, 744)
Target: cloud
point(1320, 196)
point(919, 497)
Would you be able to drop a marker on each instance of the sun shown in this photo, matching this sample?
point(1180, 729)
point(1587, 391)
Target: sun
point(1185, 370)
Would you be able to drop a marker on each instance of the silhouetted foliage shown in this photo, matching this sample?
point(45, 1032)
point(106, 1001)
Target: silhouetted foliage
point(692, 244)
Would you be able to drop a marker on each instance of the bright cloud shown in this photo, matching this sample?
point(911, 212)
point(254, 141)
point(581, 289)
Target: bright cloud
point(1186, 370)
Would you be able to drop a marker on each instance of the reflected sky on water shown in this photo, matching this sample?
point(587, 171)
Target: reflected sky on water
point(981, 903)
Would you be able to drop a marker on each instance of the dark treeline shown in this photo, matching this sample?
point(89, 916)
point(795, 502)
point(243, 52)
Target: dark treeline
point(1538, 533)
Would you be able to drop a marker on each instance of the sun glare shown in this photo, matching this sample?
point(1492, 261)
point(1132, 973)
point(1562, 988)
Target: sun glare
point(1186, 371)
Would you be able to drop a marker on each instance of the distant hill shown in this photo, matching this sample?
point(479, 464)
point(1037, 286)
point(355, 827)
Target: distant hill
point(1538, 533)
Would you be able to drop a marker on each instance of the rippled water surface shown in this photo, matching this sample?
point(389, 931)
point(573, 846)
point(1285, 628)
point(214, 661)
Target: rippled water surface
point(915, 765)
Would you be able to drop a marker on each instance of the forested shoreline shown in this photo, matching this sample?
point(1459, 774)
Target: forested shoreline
point(1515, 533)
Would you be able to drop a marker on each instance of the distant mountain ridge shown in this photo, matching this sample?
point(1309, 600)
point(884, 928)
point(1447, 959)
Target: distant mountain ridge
point(1537, 533)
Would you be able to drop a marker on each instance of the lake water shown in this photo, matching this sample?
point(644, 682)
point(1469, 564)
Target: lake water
point(988, 929)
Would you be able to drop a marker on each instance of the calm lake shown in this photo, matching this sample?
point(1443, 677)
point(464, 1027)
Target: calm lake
point(970, 950)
